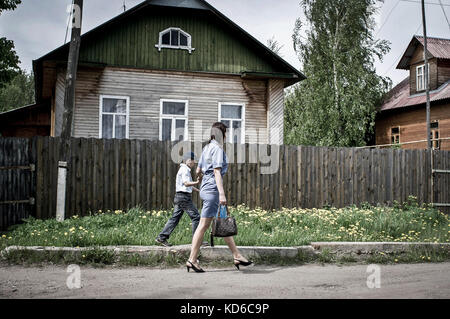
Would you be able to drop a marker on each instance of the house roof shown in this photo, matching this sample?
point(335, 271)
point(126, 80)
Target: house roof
point(201, 6)
point(436, 47)
point(399, 97)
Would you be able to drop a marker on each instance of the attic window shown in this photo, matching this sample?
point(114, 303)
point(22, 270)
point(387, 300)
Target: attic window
point(420, 77)
point(175, 38)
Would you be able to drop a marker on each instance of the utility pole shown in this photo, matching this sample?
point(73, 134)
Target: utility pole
point(427, 85)
point(69, 103)
point(71, 76)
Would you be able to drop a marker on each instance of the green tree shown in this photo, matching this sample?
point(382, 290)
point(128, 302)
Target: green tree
point(273, 45)
point(9, 61)
point(336, 104)
point(9, 4)
point(18, 92)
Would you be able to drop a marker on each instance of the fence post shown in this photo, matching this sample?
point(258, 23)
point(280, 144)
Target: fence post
point(61, 191)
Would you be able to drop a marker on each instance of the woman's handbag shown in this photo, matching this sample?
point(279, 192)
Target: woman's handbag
point(223, 226)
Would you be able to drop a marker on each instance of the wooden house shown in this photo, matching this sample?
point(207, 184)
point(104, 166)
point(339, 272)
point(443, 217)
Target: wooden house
point(160, 69)
point(402, 116)
point(26, 121)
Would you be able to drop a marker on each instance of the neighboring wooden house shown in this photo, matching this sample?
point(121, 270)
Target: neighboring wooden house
point(27, 121)
point(158, 68)
point(402, 116)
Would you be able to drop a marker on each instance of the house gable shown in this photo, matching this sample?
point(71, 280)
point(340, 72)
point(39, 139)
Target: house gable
point(129, 41)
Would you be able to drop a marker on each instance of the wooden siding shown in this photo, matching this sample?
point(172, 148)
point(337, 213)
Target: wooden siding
point(146, 88)
point(218, 48)
point(26, 121)
point(443, 71)
point(275, 113)
point(413, 126)
point(59, 103)
point(433, 76)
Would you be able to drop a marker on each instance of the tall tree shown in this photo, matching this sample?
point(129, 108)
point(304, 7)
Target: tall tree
point(18, 92)
point(273, 45)
point(336, 104)
point(9, 4)
point(9, 61)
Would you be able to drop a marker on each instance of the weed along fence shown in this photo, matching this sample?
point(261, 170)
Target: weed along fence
point(114, 174)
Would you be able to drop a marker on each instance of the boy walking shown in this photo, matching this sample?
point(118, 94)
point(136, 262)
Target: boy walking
point(182, 201)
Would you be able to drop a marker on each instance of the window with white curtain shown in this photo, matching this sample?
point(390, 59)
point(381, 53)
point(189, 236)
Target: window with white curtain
point(173, 120)
point(233, 116)
point(114, 116)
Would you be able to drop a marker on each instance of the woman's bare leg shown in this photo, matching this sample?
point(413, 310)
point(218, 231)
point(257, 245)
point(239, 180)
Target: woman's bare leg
point(231, 244)
point(198, 239)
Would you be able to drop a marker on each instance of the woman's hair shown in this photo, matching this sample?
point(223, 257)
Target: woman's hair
point(218, 131)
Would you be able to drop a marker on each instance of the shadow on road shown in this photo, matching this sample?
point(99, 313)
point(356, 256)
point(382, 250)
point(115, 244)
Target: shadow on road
point(254, 270)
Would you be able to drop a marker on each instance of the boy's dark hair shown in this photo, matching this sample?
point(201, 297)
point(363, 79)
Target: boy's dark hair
point(218, 131)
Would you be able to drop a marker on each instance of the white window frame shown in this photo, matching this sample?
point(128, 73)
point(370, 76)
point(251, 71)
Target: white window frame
point(174, 117)
point(230, 129)
point(160, 45)
point(422, 83)
point(100, 127)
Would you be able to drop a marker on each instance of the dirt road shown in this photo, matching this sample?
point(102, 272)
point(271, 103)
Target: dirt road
point(307, 281)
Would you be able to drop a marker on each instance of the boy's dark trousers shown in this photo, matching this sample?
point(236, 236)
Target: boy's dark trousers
point(182, 203)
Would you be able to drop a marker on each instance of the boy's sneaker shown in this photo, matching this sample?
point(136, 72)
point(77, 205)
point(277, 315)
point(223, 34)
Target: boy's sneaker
point(163, 242)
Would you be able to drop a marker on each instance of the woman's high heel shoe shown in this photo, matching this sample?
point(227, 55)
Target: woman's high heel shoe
point(241, 262)
point(193, 267)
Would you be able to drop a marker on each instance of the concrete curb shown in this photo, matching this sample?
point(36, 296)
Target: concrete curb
point(364, 249)
point(359, 250)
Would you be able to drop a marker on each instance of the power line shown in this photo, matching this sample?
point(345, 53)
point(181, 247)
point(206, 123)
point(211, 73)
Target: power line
point(432, 3)
point(445, 14)
point(401, 54)
point(387, 18)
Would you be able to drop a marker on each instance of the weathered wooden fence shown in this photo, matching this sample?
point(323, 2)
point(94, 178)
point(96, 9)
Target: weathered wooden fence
point(118, 174)
point(17, 181)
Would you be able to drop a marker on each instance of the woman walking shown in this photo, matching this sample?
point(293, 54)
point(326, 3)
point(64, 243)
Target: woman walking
point(212, 166)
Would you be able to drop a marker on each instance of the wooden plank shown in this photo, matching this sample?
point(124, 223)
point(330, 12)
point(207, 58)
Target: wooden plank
point(298, 169)
point(116, 163)
point(262, 197)
point(156, 167)
point(163, 184)
point(90, 175)
point(138, 172)
point(131, 172)
point(99, 189)
point(146, 160)
point(239, 180)
point(39, 176)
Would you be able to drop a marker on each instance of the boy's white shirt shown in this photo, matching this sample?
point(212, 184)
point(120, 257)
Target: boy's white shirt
point(183, 175)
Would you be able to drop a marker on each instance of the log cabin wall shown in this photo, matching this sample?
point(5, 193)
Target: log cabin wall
point(433, 75)
point(146, 88)
point(275, 113)
point(412, 123)
point(33, 120)
point(443, 72)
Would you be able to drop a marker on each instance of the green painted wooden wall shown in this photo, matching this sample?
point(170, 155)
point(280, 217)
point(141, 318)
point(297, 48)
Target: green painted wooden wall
point(131, 43)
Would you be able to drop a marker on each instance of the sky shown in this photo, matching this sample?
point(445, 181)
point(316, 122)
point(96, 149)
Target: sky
point(39, 26)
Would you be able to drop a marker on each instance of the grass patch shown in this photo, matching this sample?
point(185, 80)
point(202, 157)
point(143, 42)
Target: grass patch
point(414, 255)
point(286, 227)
